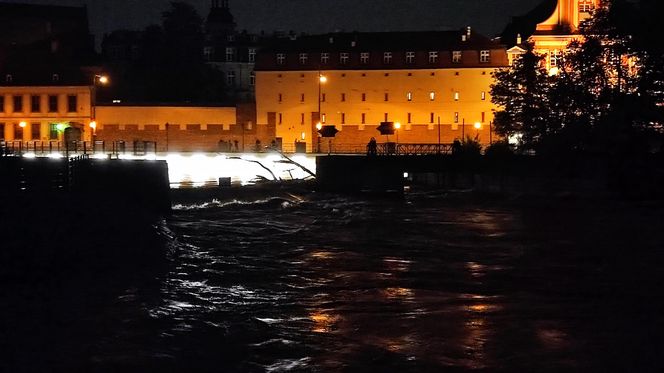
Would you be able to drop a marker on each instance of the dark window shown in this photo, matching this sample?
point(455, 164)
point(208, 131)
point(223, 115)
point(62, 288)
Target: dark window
point(35, 104)
point(431, 118)
point(387, 97)
point(364, 117)
point(18, 104)
point(343, 118)
point(364, 96)
point(343, 97)
point(2, 103)
point(2, 131)
point(386, 117)
point(35, 131)
point(72, 103)
point(410, 117)
point(52, 104)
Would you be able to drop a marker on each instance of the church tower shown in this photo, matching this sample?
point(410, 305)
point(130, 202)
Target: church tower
point(220, 22)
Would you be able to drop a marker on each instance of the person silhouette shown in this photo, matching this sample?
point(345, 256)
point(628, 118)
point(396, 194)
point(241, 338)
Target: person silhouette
point(372, 147)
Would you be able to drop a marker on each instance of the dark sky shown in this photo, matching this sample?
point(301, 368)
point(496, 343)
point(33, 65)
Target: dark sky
point(314, 16)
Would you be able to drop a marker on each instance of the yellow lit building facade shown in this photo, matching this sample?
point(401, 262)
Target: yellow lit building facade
point(435, 84)
point(31, 114)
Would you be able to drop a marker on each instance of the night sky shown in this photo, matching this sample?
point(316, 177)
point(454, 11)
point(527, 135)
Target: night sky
point(315, 16)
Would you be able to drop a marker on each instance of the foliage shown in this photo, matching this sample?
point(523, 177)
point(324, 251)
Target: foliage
point(499, 149)
point(603, 99)
point(468, 147)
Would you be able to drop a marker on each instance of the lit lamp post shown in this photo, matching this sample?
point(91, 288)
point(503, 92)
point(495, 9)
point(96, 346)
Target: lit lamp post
point(321, 79)
point(96, 79)
point(478, 127)
point(22, 124)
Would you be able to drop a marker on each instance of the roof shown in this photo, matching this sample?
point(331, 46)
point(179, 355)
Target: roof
point(526, 24)
point(382, 41)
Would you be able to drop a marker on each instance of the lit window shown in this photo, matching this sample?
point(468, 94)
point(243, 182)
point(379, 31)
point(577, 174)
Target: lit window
point(485, 56)
point(323, 117)
point(303, 58)
point(456, 117)
point(364, 58)
point(387, 58)
point(586, 6)
point(324, 58)
point(456, 96)
point(409, 96)
point(9, 78)
point(55, 78)
point(483, 95)
point(230, 54)
point(433, 57)
point(281, 58)
point(410, 57)
point(230, 78)
point(456, 56)
point(343, 58)
point(432, 96)
point(252, 54)
point(555, 58)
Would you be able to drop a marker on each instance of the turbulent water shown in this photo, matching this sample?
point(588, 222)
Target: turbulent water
point(433, 282)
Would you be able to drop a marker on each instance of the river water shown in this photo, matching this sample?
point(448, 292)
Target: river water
point(322, 282)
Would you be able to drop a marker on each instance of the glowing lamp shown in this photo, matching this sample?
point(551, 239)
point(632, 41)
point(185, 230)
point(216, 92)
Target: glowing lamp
point(478, 125)
point(303, 135)
point(93, 124)
point(322, 78)
point(103, 79)
point(397, 125)
point(319, 126)
point(60, 126)
point(22, 124)
point(553, 71)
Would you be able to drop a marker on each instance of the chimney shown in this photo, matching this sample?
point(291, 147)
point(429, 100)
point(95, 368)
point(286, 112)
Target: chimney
point(518, 39)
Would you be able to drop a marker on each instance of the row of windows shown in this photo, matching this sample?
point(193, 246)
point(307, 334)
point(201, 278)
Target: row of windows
point(386, 96)
point(9, 78)
point(410, 118)
point(35, 131)
point(35, 103)
point(231, 78)
point(208, 53)
point(343, 75)
point(388, 57)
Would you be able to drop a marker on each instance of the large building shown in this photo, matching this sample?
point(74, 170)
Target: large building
point(435, 84)
point(46, 73)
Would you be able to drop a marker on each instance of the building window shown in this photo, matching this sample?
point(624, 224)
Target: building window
point(343, 58)
point(35, 131)
point(409, 96)
point(485, 56)
point(482, 117)
point(456, 96)
point(586, 6)
point(483, 95)
point(55, 78)
point(456, 57)
point(2, 131)
point(252, 54)
point(433, 57)
point(323, 117)
point(280, 118)
point(280, 97)
point(53, 131)
point(252, 78)
point(364, 96)
point(387, 58)
point(281, 58)
point(72, 103)
point(52, 104)
point(9, 78)
point(432, 96)
point(2, 107)
point(301, 97)
point(430, 117)
point(385, 116)
point(410, 117)
point(322, 97)
point(303, 58)
point(230, 54)
point(324, 58)
point(364, 58)
point(18, 104)
point(410, 57)
point(343, 97)
point(364, 117)
point(230, 38)
point(343, 118)
point(35, 103)
point(456, 117)
point(230, 78)
point(387, 97)
point(302, 118)
point(207, 53)
point(555, 58)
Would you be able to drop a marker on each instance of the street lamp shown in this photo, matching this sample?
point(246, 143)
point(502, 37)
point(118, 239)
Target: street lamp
point(478, 127)
point(321, 80)
point(397, 125)
point(96, 79)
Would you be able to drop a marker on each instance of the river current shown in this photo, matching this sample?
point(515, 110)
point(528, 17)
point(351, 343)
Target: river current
point(323, 282)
